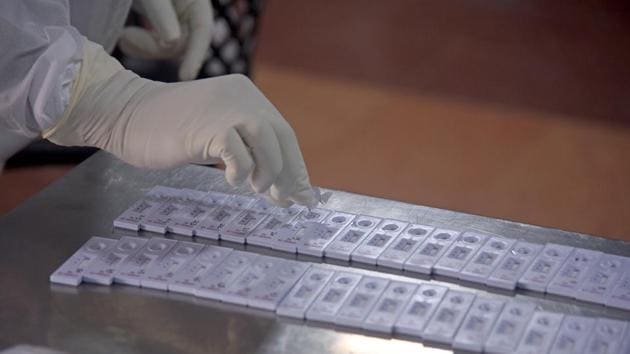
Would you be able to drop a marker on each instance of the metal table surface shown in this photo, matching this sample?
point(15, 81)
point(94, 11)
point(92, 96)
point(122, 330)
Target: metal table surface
point(44, 231)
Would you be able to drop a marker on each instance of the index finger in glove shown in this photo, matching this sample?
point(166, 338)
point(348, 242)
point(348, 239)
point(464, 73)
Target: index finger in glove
point(163, 18)
point(234, 153)
point(139, 43)
point(292, 183)
point(199, 28)
point(261, 139)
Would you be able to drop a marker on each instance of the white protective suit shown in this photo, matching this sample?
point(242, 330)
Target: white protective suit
point(58, 84)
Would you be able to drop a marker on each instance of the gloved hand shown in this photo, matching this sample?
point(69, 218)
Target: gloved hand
point(179, 29)
point(157, 125)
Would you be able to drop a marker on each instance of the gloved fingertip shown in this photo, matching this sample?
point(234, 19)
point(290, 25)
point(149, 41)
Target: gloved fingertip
point(260, 188)
point(169, 33)
point(172, 37)
point(281, 203)
point(305, 197)
point(261, 183)
point(233, 177)
point(284, 203)
point(186, 73)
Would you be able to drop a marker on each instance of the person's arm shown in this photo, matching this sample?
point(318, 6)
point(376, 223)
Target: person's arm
point(151, 124)
point(41, 55)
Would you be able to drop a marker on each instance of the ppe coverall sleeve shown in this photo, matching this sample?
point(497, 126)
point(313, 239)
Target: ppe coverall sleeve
point(41, 56)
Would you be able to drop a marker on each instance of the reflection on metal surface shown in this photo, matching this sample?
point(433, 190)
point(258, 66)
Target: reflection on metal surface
point(296, 337)
point(356, 343)
point(40, 234)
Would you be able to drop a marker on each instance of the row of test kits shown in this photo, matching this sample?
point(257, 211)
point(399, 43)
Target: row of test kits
point(495, 261)
point(346, 298)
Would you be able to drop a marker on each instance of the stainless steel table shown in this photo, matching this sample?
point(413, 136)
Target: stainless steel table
point(40, 234)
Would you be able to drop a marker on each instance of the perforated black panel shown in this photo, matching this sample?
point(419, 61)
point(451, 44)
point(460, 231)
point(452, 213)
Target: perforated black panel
point(233, 37)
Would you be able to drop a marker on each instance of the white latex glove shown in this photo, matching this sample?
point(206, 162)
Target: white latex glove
point(180, 29)
point(157, 125)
